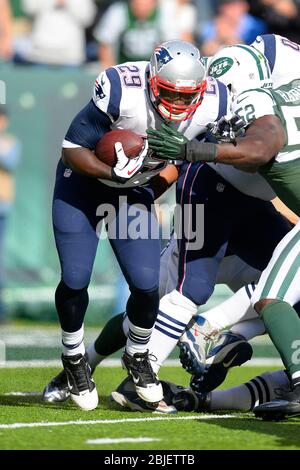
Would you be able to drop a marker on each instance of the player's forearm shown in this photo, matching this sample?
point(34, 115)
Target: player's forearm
point(264, 139)
point(245, 155)
point(161, 182)
point(83, 161)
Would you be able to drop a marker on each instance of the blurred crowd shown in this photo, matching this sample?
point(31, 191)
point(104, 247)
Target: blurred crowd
point(73, 32)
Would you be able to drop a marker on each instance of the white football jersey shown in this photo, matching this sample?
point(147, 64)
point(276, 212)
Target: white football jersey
point(122, 92)
point(283, 56)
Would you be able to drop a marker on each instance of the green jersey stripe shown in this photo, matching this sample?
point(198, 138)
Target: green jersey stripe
point(289, 277)
point(278, 264)
point(258, 62)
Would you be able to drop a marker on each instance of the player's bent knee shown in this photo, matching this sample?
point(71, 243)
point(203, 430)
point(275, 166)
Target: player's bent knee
point(260, 304)
point(144, 280)
point(175, 300)
point(197, 292)
point(147, 299)
point(77, 279)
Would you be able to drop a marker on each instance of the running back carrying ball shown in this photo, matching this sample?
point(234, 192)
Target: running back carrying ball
point(105, 147)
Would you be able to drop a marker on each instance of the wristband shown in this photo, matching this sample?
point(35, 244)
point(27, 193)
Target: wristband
point(200, 151)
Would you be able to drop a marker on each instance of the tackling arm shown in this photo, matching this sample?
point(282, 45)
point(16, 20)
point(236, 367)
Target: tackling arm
point(263, 139)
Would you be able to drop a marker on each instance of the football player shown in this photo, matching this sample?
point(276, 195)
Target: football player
point(224, 209)
point(245, 397)
point(272, 114)
point(233, 271)
point(128, 96)
point(282, 56)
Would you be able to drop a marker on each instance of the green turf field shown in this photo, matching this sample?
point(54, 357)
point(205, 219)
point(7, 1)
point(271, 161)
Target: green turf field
point(26, 423)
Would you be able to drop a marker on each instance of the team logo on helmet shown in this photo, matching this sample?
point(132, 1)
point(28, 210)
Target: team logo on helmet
point(220, 66)
point(99, 90)
point(163, 57)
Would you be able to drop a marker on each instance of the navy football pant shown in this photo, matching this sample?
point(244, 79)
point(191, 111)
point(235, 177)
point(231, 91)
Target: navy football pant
point(244, 225)
point(75, 204)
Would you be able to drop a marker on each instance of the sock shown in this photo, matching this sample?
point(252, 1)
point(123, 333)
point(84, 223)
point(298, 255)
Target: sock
point(104, 346)
point(283, 325)
point(235, 309)
point(125, 325)
point(246, 396)
point(175, 312)
point(93, 357)
point(296, 379)
point(138, 339)
point(249, 328)
point(71, 306)
point(73, 342)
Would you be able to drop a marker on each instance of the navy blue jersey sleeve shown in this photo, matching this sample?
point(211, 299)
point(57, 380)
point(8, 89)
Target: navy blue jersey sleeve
point(88, 126)
point(270, 49)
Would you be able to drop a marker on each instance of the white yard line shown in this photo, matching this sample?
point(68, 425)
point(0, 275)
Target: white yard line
point(115, 421)
point(23, 394)
point(120, 440)
point(258, 362)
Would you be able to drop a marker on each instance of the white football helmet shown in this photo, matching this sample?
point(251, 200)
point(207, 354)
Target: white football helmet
point(241, 68)
point(177, 79)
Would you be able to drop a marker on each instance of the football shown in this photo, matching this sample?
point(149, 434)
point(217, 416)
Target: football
point(105, 150)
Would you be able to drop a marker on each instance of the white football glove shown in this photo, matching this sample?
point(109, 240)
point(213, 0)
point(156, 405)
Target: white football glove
point(126, 167)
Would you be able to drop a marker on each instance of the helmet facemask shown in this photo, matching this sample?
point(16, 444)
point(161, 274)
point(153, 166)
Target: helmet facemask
point(177, 81)
point(176, 102)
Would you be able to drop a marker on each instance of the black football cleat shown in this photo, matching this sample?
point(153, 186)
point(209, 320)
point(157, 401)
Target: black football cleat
point(57, 390)
point(125, 395)
point(287, 405)
point(188, 400)
point(146, 383)
point(82, 388)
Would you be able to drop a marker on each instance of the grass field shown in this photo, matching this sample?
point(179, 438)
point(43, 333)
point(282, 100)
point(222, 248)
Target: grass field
point(27, 423)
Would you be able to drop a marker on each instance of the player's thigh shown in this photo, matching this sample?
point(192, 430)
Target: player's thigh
point(235, 273)
point(74, 224)
point(168, 274)
point(204, 238)
point(135, 240)
point(281, 278)
point(259, 229)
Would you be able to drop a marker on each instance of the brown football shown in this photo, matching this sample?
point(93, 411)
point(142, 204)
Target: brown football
point(105, 150)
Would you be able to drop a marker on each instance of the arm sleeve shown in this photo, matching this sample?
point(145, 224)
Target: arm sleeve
point(87, 128)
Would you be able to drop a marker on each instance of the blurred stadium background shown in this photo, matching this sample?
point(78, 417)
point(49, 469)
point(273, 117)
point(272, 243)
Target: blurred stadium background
point(42, 98)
